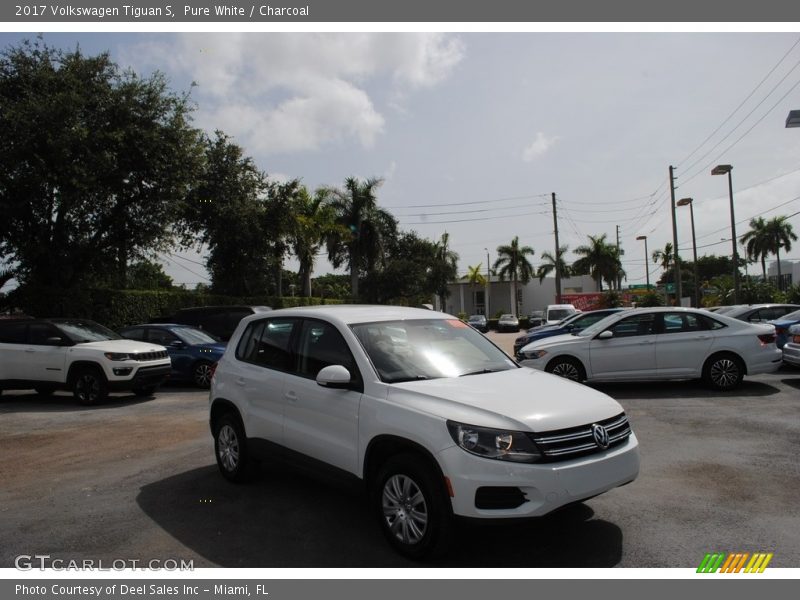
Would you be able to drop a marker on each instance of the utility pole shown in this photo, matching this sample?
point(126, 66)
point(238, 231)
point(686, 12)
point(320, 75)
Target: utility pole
point(558, 252)
point(619, 275)
point(676, 259)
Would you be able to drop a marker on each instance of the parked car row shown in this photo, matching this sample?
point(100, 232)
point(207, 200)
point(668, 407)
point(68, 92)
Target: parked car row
point(659, 343)
point(91, 360)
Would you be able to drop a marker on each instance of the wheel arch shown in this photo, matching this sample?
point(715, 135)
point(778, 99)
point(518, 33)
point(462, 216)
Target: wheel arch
point(724, 352)
point(221, 407)
point(76, 367)
point(381, 447)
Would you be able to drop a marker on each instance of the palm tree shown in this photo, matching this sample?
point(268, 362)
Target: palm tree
point(600, 260)
point(549, 264)
point(664, 257)
point(475, 277)
point(364, 231)
point(445, 267)
point(780, 235)
point(757, 243)
point(315, 223)
point(512, 262)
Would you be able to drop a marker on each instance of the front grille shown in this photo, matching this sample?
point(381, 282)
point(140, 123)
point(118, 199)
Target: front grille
point(145, 356)
point(564, 444)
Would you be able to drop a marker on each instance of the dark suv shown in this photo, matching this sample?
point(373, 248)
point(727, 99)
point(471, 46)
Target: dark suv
point(218, 320)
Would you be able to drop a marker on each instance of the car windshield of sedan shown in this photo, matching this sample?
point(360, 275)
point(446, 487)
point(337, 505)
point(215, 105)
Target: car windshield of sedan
point(428, 349)
point(81, 331)
point(193, 336)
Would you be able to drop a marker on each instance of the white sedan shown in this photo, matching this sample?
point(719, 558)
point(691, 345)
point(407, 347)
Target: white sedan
point(660, 343)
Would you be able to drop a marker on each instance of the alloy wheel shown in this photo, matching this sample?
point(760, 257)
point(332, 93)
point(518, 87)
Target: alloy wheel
point(404, 509)
point(228, 448)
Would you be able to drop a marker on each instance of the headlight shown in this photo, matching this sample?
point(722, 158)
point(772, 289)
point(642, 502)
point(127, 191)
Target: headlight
point(514, 446)
point(533, 354)
point(118, 356)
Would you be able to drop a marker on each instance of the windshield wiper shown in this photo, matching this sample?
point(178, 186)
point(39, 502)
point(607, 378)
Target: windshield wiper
point(480, 372)
point(405, 379)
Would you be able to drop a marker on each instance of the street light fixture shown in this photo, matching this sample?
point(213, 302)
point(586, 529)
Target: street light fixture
point(722, 170)
point(646, 264)
point(793, 119)
point(684, 202)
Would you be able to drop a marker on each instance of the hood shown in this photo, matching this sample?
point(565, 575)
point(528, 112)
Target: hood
point(520, 399)
point(564, 338)
point(123, 345)
point(212, 348)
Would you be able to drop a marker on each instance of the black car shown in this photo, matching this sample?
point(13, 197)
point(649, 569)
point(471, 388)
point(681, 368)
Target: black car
point(221, 321)
point(536, 318)
point(479, 322)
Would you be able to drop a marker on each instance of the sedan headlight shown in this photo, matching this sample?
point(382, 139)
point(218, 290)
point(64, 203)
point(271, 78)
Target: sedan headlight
point(499, 444)
point(118, 356)
point(533, 354)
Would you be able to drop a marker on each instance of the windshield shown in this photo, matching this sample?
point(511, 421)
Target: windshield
point(792, 316)
point(556, 314)
point(81, 331)
point(193, 336)
point(428, 349)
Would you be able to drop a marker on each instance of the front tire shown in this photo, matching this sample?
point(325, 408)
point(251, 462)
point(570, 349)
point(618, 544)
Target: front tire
point(412, 506)
point(90, 386)
point(723, 372)
point(145, 391)
point(201, 374)
point(230, 448)
point(566, 367)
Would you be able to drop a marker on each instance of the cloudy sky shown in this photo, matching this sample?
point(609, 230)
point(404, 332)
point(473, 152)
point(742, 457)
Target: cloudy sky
point(472, 132)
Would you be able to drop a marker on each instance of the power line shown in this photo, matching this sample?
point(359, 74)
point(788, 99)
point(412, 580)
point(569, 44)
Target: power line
point(481, 219)
point(463, 212)
point(469, 203)
point(742, 103)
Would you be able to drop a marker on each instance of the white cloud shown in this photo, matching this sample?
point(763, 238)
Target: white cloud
point(283, 93)
point(538, 147)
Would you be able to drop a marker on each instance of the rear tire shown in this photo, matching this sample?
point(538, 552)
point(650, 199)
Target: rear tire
point(89, 386)
point(230, 448)
point(568, 368)
point(723, 372)
point(412, 506)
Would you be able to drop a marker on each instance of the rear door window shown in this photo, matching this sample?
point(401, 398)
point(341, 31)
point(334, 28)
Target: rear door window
point(267, 343)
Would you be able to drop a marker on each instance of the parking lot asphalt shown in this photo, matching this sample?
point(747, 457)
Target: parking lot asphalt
point(135, 479)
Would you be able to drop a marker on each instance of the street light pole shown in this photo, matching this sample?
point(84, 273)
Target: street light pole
point(722, 170)
point(646, 264)
point(684, 202)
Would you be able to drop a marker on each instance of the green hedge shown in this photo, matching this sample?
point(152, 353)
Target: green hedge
point(118, 308)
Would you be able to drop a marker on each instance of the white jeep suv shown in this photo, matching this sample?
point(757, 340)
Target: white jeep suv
point(435, 419)
point(78, 355)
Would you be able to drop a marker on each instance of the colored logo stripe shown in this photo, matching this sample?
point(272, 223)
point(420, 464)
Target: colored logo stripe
point(734, 562)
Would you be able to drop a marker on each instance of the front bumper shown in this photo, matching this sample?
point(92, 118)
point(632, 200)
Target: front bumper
point(545, 487)
point(144, 376)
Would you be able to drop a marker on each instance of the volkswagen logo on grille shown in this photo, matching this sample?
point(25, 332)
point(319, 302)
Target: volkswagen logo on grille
point(600, 436)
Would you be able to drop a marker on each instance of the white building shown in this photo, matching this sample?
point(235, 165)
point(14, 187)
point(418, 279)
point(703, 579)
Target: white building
point(471, 299)
point(790, 273)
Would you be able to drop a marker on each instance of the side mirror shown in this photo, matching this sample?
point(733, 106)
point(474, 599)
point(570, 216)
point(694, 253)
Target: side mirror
point(177, 344)
point(55, 341)
point(605, 335)
point(334, 376)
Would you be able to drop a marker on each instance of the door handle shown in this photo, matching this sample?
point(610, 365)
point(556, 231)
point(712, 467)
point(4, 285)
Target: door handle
point(646, 342)
point(30, 350)
point(703, 337)
point(291, 396)
point(239, 381)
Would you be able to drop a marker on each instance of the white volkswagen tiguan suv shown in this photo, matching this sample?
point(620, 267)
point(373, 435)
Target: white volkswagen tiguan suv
point(435, 419)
